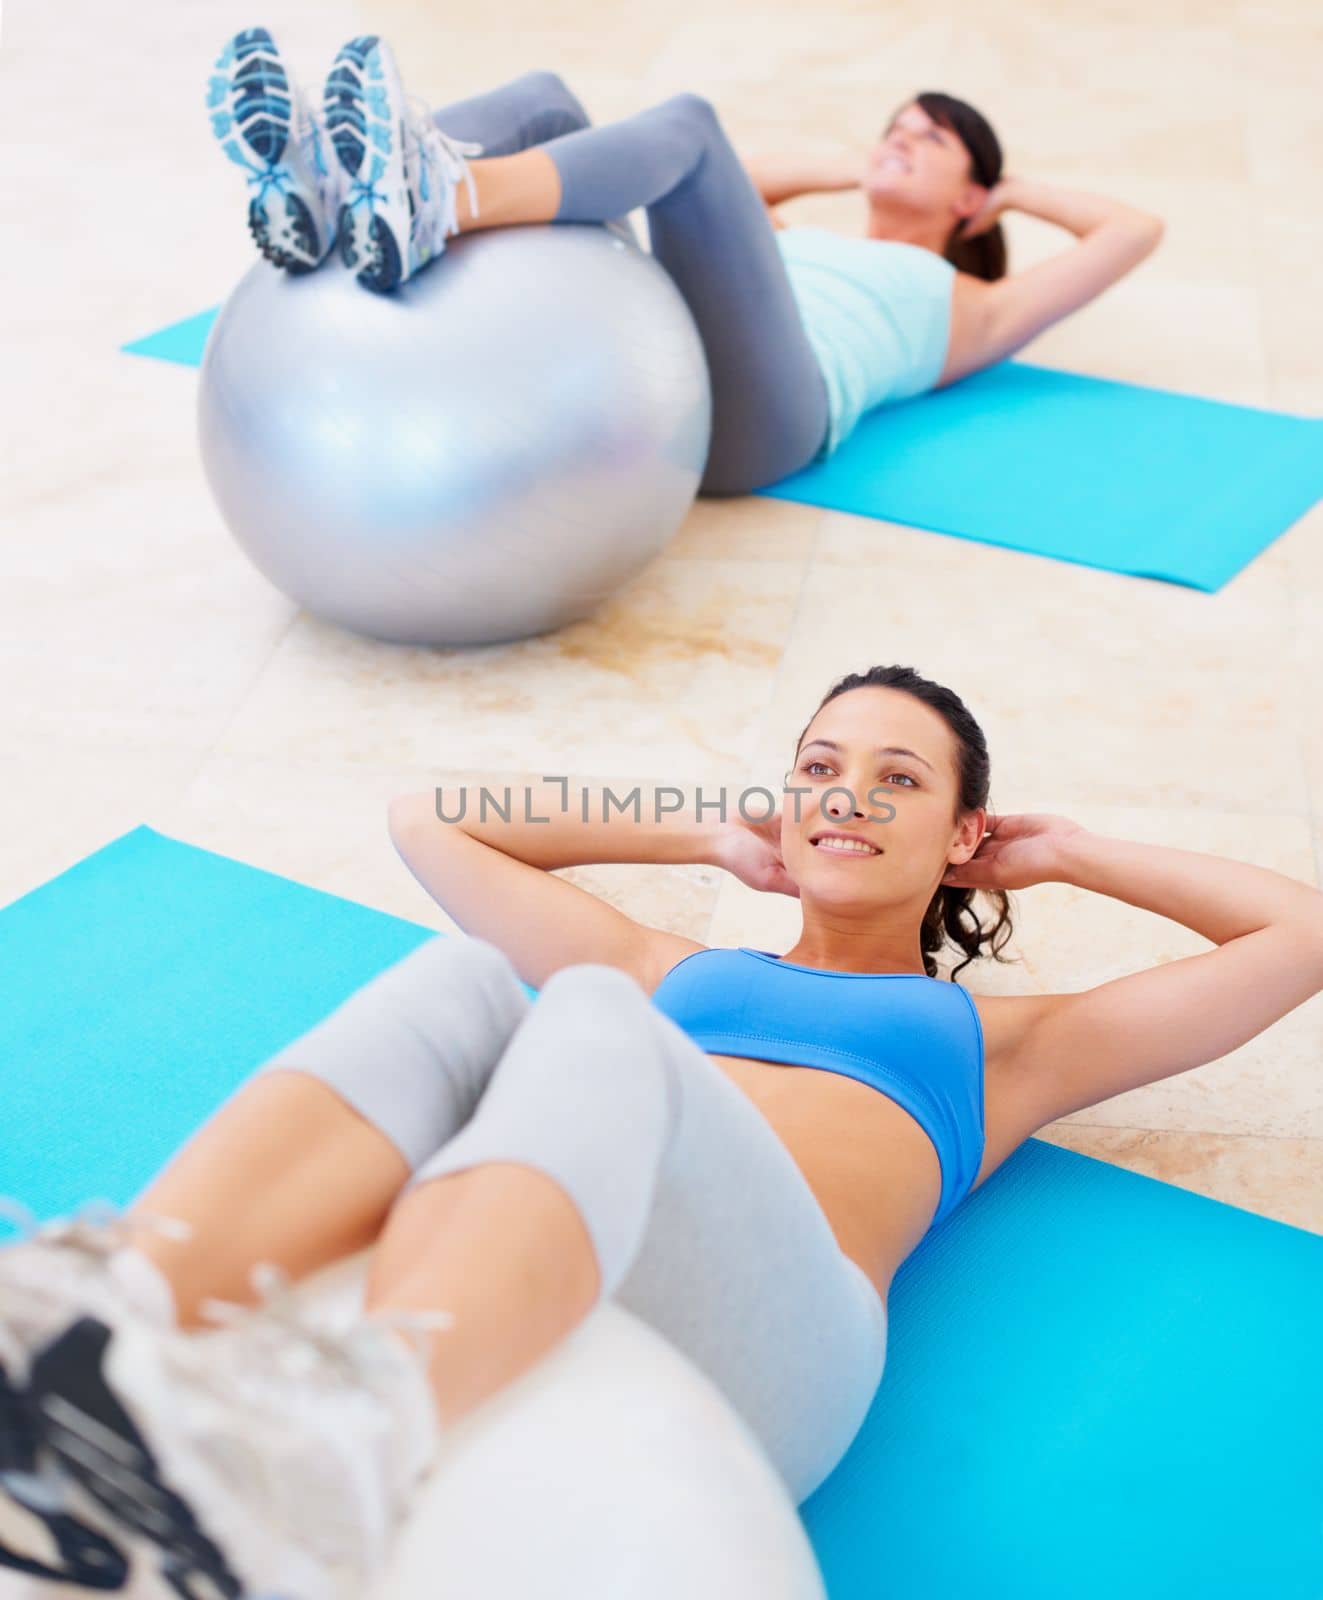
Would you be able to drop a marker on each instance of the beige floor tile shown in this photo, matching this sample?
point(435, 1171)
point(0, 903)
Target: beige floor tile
point(131, 616)
point(1297, 554)
point(1286, 24)
point(1307, 659)
point(750, 528)
point(326, 826)
point(321, 826)
point(62, 799)
point(1043, 48)
point(1278, 1178)
point(1289, 251)
point(1113, 688)
point(723, 56)
point(668, 680)
point(742, 915)
point(1298, 396)
point(1284, 122)
point(602, 51)
point(1127, 129)
point(1196, 338)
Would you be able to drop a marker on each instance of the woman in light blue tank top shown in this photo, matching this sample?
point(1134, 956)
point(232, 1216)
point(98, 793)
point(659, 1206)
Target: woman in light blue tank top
point(804, 329)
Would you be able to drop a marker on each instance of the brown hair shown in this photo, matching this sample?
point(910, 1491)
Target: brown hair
point(985, 255)
point(950, 915)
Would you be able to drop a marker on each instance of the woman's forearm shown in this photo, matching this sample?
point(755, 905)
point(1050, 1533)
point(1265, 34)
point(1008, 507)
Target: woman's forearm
point(563, 824)
point(1217, 898)
point(1076, 210)
point(778, 178)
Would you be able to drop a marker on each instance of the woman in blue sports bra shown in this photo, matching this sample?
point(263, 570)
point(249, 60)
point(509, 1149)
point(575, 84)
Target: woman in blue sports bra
point(804, 329)
point(738, 1145)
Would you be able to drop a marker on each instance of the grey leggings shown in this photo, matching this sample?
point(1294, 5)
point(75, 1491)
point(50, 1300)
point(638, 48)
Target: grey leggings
point(709, 229)
point(702, 1224)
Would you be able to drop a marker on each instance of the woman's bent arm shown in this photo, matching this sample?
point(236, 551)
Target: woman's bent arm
point(780, 178)
point(1080, 1049)
point(494, 877)
point(1113, 240)
point(1218, 898)
point(562, 824)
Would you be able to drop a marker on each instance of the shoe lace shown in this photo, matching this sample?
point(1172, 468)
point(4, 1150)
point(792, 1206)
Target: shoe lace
point(449, 154)
point(279, 1310)
point(96, 1228)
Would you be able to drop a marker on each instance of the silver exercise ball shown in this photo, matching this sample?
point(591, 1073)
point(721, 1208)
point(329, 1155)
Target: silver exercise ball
point(487, 453)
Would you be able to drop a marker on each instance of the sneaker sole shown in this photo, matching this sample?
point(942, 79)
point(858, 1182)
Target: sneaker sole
point(363, 106)
point(41, 1494)
point(97, 1443)
point(251, 101)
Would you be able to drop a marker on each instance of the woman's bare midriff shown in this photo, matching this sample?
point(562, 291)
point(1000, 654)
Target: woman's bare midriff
point(871, 1166)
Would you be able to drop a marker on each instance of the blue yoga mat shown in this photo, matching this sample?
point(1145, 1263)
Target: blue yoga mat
point(1096, 1384)
point(182, 342)
point(1142, 481)
point(1111, 475)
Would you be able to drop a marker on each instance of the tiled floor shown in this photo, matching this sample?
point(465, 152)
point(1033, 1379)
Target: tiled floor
point(151, 675)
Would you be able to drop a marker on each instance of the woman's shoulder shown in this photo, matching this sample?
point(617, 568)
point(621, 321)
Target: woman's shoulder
point(663, 953)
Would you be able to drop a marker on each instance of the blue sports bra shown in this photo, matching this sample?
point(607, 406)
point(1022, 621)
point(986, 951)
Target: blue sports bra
point(917, 1040)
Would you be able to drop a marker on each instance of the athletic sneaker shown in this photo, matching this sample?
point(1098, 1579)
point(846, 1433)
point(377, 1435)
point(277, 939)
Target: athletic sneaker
point(43, 1534)
point(55, 1272)
point(265, 126)
point(403, 172)
point(269, 1457)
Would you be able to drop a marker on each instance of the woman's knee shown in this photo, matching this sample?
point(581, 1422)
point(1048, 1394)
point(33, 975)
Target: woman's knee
point(544, 83)
point(449, 972)
point(608, 1007)
point(586, 978)
point(547, 94)
point(692, 108)
point(597, 994)
point(461, 956)
point(605, 1000)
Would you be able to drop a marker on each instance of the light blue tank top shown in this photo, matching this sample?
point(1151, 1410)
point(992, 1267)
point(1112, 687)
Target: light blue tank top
point(877, 313)
point(915, 1039)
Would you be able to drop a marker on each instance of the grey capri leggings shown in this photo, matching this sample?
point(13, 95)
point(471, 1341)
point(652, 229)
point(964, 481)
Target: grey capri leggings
point(709, 229)
point(702, 1224)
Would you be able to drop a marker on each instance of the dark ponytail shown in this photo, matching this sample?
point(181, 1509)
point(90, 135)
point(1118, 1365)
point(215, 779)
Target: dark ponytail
point(985, 255)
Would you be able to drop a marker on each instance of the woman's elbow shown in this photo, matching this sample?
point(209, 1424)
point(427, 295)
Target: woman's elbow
point(1150, 229)
point(405, 811)
point(1135, 235)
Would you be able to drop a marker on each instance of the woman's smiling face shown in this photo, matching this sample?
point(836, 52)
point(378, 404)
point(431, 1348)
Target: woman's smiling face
point(924, 165)
point(879, 767)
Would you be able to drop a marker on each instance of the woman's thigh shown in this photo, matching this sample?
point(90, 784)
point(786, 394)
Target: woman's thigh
point(769, 398)
point(709, 228)
point(703, 1224)
point(514, 116)
point(740, 1269)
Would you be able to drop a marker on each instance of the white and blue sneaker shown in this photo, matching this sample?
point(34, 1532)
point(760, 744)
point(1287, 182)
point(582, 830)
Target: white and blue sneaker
point(270, 1457)
point(43, 1532)
point(403, 172)
point(54, 1273)
point(266, 127)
